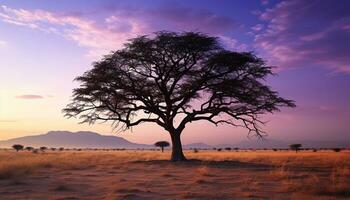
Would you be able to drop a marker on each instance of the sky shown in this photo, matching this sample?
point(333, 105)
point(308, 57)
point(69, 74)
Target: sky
point(45, 45)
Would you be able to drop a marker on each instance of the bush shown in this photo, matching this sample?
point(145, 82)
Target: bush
point(336, 149)
point(17, 147)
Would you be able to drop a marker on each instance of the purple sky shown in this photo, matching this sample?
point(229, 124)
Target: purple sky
point(44, 45)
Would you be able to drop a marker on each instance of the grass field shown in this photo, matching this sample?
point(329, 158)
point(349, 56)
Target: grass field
point(149, 175)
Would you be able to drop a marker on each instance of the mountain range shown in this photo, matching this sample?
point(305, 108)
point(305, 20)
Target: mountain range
point(66, 139)
point(87, 139)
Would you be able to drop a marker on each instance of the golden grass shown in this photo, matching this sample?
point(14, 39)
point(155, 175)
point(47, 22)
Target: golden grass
point(322, 173)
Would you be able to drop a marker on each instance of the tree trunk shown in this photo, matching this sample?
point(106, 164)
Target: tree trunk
point(177, 154)
point(162, 149)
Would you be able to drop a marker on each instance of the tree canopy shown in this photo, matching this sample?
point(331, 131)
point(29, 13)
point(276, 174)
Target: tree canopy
point(162, 144)
point(173, 79)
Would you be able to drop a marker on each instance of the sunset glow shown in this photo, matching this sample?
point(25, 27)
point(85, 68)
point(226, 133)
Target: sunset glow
point(44, 46)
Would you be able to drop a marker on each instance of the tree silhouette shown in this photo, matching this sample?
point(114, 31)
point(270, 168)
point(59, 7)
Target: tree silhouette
point(17, 147)
point(29, 148)
point(162, 144)
point(173, 79)
point(295, 147)
point(43, 148)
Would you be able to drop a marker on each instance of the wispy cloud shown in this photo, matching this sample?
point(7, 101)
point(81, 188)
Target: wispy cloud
point(87, 33)
point(120, 24)
point(29, 96)
point(300, 33)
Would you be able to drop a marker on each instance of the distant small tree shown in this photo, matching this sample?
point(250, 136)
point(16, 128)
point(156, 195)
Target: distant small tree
point(29, 148)
point(336, 149)
point(195, 150)
point(236, 148)
point(17, 147)
point(228, 148)
point(43, 148)
point(295, 147)
point(61, 149)
point(162, 144)
point(219, 149)
point(53, 149)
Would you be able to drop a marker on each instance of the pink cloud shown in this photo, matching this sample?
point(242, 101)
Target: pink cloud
point(121, 25)
point(86, 33)
point(29, 96)
point(300, 33)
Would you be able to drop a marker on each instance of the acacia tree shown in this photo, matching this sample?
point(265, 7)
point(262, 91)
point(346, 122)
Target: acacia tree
point(295, 147)
point(173, 79)
point(17, 147)
point(162, 144)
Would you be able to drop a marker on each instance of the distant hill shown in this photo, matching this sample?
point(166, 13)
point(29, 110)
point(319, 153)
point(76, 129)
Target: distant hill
point(81, 139)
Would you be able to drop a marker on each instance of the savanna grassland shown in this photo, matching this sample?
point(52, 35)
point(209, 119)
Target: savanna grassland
point(149, 175)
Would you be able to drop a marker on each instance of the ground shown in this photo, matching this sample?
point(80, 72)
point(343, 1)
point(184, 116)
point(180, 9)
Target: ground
point(130, 174)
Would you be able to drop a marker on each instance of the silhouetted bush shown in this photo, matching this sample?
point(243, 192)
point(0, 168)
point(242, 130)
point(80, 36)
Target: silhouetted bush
point(228, 148)
point(219, 149)
point(336, 149)
point(43, 148)
point(29, 148)
point(295, 147)
point(195, 150)
point(17, 147)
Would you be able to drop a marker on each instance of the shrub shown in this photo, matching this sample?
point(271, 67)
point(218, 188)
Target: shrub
point(43, 148)
point(29, 148)
point(336, 149)
point(17, 147)
point(295, 147)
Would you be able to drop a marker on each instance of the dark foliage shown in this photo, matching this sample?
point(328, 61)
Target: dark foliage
point(43, 148)
point(18, 147)
point(29, 148)
point(295, 147)
point(162, 144)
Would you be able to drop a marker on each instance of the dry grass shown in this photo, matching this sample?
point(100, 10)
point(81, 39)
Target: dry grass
point(144, 174)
